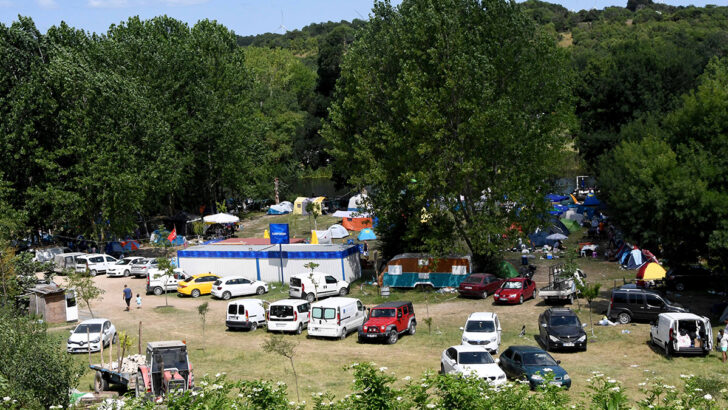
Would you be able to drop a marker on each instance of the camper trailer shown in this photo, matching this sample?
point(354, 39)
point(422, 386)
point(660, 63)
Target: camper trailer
point(408, 270)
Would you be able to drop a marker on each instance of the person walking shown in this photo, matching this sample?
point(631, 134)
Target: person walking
point(127, 296)
point(723, 343)
point(139, 301)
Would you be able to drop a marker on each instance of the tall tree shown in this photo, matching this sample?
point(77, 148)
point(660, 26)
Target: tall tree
point(451, 109)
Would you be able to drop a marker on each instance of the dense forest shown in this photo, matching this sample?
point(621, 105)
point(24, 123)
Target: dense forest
point(101, 131)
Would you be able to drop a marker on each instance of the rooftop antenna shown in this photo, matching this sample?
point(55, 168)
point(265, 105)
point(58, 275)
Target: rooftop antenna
point(282, 27)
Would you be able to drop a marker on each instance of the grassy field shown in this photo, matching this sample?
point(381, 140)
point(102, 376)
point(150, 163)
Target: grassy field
point(621, 352)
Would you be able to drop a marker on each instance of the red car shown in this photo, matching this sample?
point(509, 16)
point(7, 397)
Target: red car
point(387, 321)
point(479, 285)
point(515, 290)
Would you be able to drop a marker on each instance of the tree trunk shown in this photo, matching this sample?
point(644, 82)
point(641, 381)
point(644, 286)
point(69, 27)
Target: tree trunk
point(295, 378)
point(591, 322)
point(88, 305)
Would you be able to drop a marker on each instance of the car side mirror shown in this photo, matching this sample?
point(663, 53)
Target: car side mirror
point(70, 331)
point(497, 361)
point(558, 362)
point(462, 328)
point(583, 325)
point(544, 325)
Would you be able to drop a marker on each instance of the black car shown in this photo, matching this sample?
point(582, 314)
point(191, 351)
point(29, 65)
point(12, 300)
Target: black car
point(693, 277)
point(637, 304)
point(560, 328)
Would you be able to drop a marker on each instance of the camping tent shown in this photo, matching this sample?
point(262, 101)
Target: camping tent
point(284, 207)
point(591, 200)
point(356, 202)
point(221, 219)
point(130, 245)
point(350, 214)
point(367, 234)
point(320, 237)
point(570, 224)
point(357, 224)
point(556, 198)
point(299, 206)
point(318, 203)
point(634, 260)
point(506, 270)
point(558, 227)
point(574, 216)
point(649, 257)
point(651, 271)
point(338, 231)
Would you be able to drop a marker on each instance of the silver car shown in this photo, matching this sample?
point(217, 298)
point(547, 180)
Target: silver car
point(141, 268)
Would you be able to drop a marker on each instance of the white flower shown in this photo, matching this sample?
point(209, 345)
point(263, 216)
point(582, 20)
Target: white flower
point(611, 380)
point(280, 384)
point(399, 398)
point(320, 394)
point(194, 393)
point(430, 406)
point(6, 398)
point(407, 378)
point(708, 396)
point(642, 384)
point(424, 385)
point(203, 383)
point(290, 403)
point(615, 388)
point(217, 387)
point(217, 375)
point(240, 395)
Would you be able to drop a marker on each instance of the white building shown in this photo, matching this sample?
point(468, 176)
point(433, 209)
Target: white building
point(263, 262)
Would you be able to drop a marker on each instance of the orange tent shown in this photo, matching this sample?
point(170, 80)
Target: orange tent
point(356, 224)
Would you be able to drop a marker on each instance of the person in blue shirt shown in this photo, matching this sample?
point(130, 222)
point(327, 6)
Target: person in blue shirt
point(127, 297)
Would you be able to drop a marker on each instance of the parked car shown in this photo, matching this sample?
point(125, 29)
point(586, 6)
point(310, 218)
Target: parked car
point(245, 314)
point(472, 361)
point(387, 321)
point(288, 315)
point(482, 329)
point(560, 328)
point(336, 317)
point(532, 364)
point(141, 268)
point(638, 304)
point(682, 333)
point(316, 285)
point(89, 335)
point(479, 285)
point(65, 262)
point(680, 278)
point(95, 263)
point(122, 267)
point(200, 284)
point(563, 286)
point(515, 290)
point(159, 283)
point(230, 286)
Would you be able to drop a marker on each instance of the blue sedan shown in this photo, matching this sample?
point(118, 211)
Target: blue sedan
point(534, 365)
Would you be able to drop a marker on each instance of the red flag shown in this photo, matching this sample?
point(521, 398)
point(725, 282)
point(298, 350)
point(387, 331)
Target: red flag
point(173, 235)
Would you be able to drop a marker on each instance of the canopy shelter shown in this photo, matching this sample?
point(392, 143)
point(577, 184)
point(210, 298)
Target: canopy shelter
point(367, 234)
point(651, 271)
point(221, 219)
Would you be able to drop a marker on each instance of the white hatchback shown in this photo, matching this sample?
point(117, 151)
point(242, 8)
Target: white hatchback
point(231, 286)
point(122, 267)
point(472, 361)
point(89, 335)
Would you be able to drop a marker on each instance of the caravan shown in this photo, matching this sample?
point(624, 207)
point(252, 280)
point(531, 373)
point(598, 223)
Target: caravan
point(336, 317)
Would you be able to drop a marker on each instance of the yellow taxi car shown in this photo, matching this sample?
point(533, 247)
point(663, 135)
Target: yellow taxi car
point(197, 285)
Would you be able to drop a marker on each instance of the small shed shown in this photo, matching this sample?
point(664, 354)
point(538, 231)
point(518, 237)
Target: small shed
point(49, 302)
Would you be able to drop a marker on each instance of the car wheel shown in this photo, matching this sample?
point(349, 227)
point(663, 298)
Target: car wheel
point(92, 272)
point(393, 336)
point(158, 291)
point(412, 328)
point(260, 290)
point(195, 293)
point(668, 350)
point(484, 295)
point(310, 297)
point(253, 326)
point(343, 334)
point(115, 339)
point(299, 329)
point(624, 318)
point(520, 300)
point(679, 286)
point(442, 369)
point(343, 291)
point(140, 389)
point(126, 273)
point(226, 295)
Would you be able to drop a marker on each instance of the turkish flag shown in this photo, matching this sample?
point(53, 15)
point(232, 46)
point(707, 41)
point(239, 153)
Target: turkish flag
point(173, 235)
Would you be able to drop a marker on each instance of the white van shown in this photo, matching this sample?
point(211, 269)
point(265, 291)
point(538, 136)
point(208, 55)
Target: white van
point(682, 333)
point(65, 262)
point(245, 314)
point(316, 285)
point(482, 329)
point(95, 263)
point(336, 317)
point(288, 315)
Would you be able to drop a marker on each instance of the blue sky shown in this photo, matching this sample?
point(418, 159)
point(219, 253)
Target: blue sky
point(242, 16)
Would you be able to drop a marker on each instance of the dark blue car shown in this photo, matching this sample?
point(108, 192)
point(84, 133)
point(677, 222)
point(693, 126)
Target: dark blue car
point(534, 365)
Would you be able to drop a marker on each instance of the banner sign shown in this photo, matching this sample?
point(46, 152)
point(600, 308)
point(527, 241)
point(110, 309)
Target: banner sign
point(279, 233)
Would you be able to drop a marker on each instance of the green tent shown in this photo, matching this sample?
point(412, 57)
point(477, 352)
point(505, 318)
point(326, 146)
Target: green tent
point(507, 270)
point(571, 224)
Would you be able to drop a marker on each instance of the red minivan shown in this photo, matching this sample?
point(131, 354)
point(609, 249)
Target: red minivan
point(479, 285)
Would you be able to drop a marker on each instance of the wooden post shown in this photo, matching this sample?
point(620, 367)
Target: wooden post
point(123, 352)
point(101, 351)
point(88, 339)
point(111, 350)
point(140, 337)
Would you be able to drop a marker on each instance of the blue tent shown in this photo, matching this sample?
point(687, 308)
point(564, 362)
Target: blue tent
point(635, 259)
point(366, 234)
point(114, 248)
point(591, 200)
point(538, 239)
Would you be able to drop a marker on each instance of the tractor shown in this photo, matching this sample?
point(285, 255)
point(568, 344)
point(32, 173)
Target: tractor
point(167, 369)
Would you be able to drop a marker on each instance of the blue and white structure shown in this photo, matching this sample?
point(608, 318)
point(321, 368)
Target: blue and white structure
point(263, 262)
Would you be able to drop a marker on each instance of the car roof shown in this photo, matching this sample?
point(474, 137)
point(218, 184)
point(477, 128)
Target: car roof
point(481, 274)
point(199, 275)
point(468, 348)
point(519, 279)
point(333, 302)
point(91, 255)
point(234, 277)
point(482, 316)
point(682, 316)
point(561, 311)
point(307, 274)
point(93, 321)
point(244, 301)
point(167, 343)
point(294, 302)
point(526, 349)
point(392, 304)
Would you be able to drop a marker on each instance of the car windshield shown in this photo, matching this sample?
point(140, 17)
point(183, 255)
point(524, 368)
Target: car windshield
point(382, 312)
point(512, 285)
point(538, 359)
point(473, 279)
point(475, 358)
point(88, 327)
point(484, 326)
point(323, 313)
point(281, 311)
point(123, 261)
point(560, 321)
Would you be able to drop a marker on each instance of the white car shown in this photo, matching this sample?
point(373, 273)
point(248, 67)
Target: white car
point(245, 314)
point(316, 285)
point(158, 282)
point(122, 267)
point(472, 361)
point(230, 286)
point(89, 334)
point(95, 263)
point(482, 329)
point(142, 267)
point(288, 315)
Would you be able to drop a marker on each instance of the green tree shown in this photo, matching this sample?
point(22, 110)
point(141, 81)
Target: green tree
point(589, 292)
point(165, 267)
point(85, 288)
point(287, 348)
point(448, 107)
point(202, 311)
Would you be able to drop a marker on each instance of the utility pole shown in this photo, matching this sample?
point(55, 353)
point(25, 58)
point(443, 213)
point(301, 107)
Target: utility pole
point(275, 181)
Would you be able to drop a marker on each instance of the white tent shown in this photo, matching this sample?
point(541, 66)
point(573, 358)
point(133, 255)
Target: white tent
point(573, 215)
point(221, 219)
point(284, 207)
point(350, 214)
point(338, 231)
point(323, 237)
point(357, 202)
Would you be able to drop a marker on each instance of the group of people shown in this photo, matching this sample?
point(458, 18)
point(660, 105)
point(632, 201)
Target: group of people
point(127, 294)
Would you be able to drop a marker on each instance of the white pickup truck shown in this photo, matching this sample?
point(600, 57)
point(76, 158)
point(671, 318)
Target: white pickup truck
point(158, 282)
point(682, 333)
point(562, 286)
